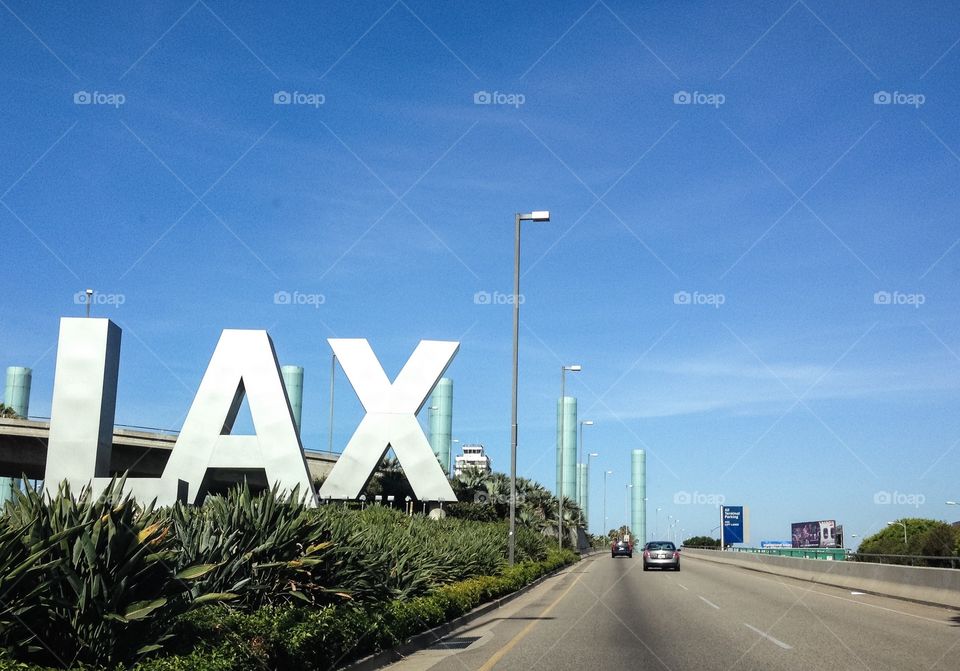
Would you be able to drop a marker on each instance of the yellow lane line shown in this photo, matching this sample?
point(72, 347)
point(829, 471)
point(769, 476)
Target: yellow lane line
point(526, 630)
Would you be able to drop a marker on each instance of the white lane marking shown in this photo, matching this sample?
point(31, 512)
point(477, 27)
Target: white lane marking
point(769, 637)
point(708, 602)
point(781, 582)
point(684, 587)
point(857, 593)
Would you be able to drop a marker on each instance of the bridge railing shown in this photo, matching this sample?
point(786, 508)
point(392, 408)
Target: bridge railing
point(842, 554)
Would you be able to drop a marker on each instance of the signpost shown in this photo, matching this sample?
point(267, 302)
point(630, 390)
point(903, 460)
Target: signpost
point(734, 525)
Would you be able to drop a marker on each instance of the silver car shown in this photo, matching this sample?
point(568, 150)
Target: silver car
point(662, 554)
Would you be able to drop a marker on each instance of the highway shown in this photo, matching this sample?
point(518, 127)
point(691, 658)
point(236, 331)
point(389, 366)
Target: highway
point(608, 613)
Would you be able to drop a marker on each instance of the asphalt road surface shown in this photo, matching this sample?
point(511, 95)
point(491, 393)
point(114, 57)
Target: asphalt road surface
point(608, 613)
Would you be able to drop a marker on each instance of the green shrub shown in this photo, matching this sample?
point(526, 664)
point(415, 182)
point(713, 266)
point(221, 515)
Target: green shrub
point(105, 581)
point(266, 548)
point(331, 637)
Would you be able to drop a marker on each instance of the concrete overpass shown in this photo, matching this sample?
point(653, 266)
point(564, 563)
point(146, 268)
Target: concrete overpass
point(23, 451)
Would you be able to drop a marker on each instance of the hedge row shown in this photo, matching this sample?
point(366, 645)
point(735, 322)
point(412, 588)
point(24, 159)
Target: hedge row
point(103, 581)
point(218, 638)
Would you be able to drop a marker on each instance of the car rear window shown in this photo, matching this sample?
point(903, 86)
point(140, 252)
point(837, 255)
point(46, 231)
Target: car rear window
point(660, 546)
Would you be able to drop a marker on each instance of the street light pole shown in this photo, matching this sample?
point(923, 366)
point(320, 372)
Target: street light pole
point(657, 530)
point(605, 474)
point(581, 488)
point(333, 370)
point(574, 368)
point(533, 216)
point(626, 502)
point(585, 488)
point(89, 293)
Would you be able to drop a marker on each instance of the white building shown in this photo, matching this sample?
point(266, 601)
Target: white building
point(472, 458)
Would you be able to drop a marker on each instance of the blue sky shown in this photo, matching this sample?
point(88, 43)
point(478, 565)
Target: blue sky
point(814, 164)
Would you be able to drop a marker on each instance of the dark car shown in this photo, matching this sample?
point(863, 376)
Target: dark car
point(662, 554)
point(621, 548)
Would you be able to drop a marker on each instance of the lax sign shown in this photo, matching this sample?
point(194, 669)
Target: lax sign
point(244, 365)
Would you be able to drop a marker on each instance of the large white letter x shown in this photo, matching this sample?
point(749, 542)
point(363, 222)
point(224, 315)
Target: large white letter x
point(391, 419)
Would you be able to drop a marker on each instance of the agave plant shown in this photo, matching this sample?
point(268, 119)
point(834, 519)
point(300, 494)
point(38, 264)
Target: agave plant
point(104, 578)
point(264, 549)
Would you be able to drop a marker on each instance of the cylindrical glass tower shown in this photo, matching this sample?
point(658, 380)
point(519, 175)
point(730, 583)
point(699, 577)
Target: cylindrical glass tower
point(441, 421)
point(583, 482)
point(16, 396)
point(17, 393)
point(567, 416)
point(293, 381)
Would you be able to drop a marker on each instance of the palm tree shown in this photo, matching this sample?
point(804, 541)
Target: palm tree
point(473, 479)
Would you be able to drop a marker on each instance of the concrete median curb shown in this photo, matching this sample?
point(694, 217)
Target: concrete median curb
point(430, 637)
point(935, 586)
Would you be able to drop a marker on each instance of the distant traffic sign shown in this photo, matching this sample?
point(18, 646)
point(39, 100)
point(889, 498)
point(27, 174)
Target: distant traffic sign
point(736, 525)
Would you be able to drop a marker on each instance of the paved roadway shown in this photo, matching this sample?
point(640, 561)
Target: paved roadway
point(608, 613)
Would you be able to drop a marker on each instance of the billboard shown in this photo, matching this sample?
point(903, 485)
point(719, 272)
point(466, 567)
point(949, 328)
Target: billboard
point(736, 525)
point(822, 534)
point(775, 544)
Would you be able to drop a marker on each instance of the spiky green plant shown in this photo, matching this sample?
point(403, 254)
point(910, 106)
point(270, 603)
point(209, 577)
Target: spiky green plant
point(108, 585)
point(266, 548)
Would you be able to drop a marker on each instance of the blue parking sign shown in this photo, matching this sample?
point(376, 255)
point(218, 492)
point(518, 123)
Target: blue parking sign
point(734, 525)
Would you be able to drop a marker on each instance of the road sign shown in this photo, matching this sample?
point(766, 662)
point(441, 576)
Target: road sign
point(736, 524)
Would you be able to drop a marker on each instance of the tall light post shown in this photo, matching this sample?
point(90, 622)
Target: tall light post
point(587, 422)
point(626, 509)
point(657, 518)
point(573, 368)
point(532, 216)
point(333, 370)
point(904, 531)
point(585, 488)
point(89, 293)
point(581, 486)
point(605, 474)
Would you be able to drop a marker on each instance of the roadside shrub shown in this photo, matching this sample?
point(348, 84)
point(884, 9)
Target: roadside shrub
point(333, 636)
point(104, 580)
point(266, 549)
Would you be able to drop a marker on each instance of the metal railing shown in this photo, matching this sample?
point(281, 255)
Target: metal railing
point(844, 554)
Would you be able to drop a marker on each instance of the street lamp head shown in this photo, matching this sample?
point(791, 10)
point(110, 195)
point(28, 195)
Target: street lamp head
point(89, 292)
point(536, 215)
point(587, 422)
point(575, 368)
point(594, 454)
point(953, 503)
point(609, 472)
